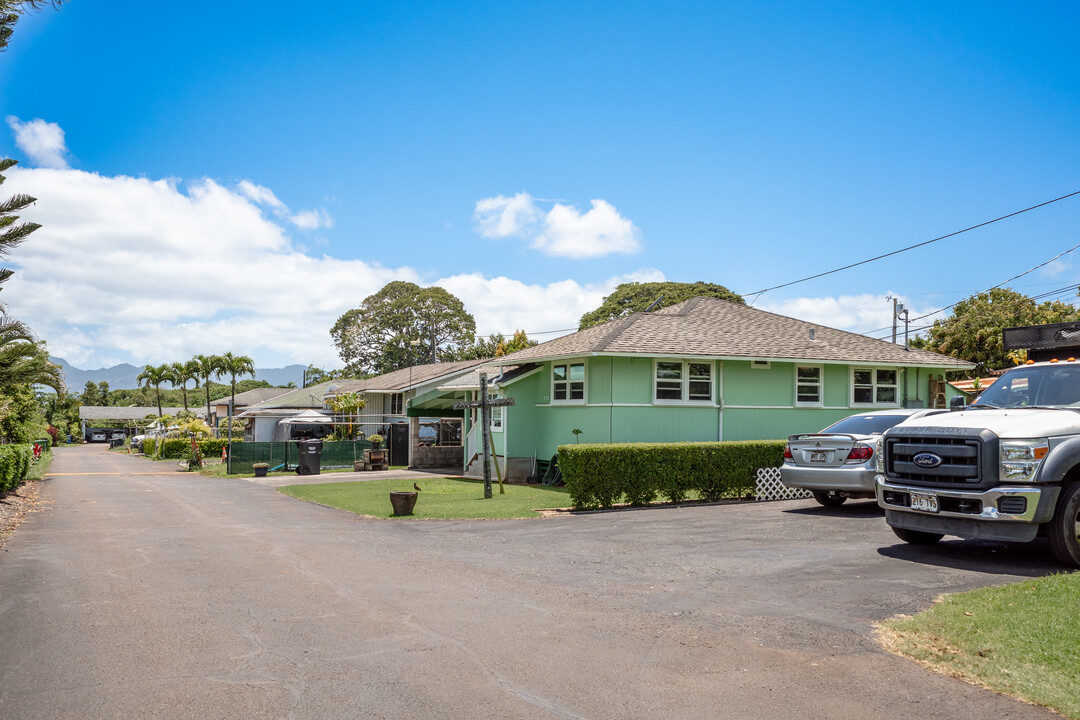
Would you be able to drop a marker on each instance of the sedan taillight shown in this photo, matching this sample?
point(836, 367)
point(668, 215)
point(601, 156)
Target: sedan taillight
point(860, 453)
point(787, 452)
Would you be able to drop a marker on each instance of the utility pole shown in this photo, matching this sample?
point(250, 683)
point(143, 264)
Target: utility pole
point(895, 310)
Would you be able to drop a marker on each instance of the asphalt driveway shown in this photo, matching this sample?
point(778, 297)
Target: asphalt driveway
point(145, 595)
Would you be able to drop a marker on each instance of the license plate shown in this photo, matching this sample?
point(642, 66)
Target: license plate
point(817, 456)
point(926, 503)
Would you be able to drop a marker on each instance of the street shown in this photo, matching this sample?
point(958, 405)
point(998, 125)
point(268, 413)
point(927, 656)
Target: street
point(140, 592)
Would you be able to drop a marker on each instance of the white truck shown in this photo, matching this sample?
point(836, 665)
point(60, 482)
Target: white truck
point(1006, 467)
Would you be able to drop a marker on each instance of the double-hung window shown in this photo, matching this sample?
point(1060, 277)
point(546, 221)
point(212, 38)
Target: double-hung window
point(496, 414)
point(396, 404)
point(874, 386)
point(568, 382)
point(678, 381)
point(808, 385)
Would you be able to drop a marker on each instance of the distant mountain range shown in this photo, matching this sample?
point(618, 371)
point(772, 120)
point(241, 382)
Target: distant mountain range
point(122, 376)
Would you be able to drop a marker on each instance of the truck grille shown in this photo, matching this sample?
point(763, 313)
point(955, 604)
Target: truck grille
point(962, 459)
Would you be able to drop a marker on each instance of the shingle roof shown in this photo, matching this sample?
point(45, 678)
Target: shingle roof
point(471, 380)
point(709, 327)
point(406, 378)
point(252, 397)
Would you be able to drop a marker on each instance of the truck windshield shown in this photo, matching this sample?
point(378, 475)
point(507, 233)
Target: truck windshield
point(1044, 385)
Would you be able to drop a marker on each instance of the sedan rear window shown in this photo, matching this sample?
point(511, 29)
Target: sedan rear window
point(865, 424)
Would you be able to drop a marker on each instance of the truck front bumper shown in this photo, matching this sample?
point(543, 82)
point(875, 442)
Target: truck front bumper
point(1003, 513)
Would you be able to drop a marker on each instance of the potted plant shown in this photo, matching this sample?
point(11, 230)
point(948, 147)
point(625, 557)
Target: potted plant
point(376, 441)
point(261, 468)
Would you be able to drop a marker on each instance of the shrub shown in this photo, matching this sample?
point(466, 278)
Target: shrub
point(602, 475)
point(14, 463)
point(180, 448)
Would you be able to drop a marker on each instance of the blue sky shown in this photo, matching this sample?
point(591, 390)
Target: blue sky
point(235, 179)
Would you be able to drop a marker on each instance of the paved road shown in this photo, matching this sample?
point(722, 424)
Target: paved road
point(145, 595)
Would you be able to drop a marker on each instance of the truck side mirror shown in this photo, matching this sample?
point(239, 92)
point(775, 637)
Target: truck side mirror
point(957, 403)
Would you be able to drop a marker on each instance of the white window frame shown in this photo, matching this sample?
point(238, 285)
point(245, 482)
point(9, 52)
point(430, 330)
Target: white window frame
point(875, 386)
point(820, 386)
point(568, 364)
point(685, 380)
point(400, 397)
point(496, 414)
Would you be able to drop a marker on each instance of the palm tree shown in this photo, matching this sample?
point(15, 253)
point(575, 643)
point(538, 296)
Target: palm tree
point(23, 360)
point(180, 373)
point(207, 365)
point(233, 365)
point(154, 375)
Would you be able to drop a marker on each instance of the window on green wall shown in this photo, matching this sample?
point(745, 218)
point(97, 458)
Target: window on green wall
point(808, 385)
point(677, 381)
point(874, 386)
point(496, 414)
point(568, 382)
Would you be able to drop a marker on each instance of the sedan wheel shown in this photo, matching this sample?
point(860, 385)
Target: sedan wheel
point(830, 499)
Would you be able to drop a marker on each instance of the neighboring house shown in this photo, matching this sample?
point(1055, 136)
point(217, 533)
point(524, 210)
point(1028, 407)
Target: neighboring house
point(704, 369)
point(968, 388)
point(421, 439)
point(219, 409)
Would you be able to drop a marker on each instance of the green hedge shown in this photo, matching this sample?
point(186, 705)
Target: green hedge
point(180, 448)
point(638, 473)
point(14, 463)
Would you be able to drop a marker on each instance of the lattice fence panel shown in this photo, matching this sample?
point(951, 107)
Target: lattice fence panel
point(769, 487)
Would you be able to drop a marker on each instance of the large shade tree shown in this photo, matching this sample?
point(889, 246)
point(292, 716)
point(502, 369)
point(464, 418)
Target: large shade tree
point(635, 297)
point(973, 331)
point(402, 325)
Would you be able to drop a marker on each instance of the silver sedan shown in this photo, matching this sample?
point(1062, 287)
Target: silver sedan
point(838, 463)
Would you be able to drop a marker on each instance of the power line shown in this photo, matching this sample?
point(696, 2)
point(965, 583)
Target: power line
point(910, 247)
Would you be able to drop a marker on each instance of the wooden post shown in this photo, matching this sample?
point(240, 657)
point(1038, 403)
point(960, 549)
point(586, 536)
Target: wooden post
point(485, 423)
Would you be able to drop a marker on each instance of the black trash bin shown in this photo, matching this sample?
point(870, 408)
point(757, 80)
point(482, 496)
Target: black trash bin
point(309, 460)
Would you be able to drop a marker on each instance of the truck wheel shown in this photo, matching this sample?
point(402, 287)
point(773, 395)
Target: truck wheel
point(917, 537)
point(829, 499)
point(1064, 527)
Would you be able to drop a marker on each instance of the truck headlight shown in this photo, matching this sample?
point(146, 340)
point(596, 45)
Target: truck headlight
point(879, 447)
point(1020, 459)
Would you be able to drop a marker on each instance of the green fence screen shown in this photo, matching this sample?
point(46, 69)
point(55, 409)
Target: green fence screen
point(283, 455)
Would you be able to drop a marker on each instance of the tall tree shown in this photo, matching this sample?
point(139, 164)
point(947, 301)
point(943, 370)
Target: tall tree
point(11, 234)
point(24, 360)
point(208, 365)
point(973, 331)
point(90, 395)
point(234, 365)
point(402, 325)
point(630, 298)
point(153, 376)
point(181, 373)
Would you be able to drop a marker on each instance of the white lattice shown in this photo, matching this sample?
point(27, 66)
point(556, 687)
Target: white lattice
point(769, 487)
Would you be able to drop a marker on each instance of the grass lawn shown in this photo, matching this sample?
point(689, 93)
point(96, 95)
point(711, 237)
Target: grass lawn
point(440, 498)
point(1022, 640)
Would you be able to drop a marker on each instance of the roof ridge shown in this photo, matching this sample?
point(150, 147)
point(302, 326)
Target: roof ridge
point(618, 326)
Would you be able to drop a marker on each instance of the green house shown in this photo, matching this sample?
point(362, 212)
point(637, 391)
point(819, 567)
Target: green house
point(704, 369)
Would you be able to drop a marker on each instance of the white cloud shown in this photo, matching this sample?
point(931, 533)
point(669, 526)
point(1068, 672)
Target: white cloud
point(501, 216)
point(152, 271)
point(865, 314)
point(305, 219)
point(563, 231)
point(43, 142)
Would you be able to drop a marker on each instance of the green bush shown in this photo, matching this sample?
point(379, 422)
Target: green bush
point(180, 448)
point(14, 464)
point(602, 475)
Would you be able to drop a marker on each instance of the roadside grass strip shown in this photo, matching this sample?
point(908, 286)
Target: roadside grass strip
point(1022, 640)
point(438, 499)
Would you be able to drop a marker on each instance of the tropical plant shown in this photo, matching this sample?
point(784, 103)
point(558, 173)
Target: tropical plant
point(234, 365)
point(11, 10)
point(208, 365)
point(349, 406)
point(181, 373)
point(153, 376)
point(24, 360)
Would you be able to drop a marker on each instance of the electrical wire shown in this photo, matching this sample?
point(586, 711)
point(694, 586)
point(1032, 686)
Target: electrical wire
point(757, 294)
